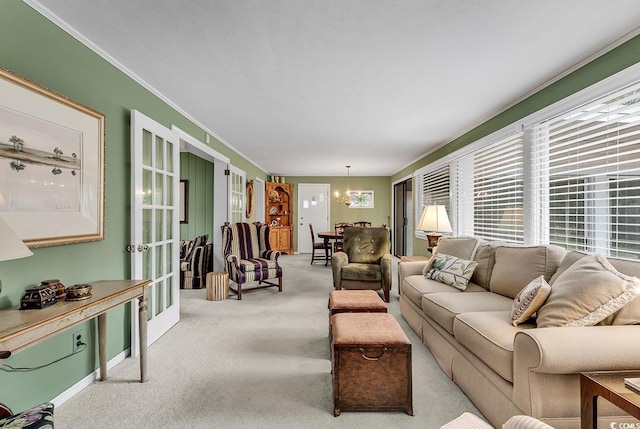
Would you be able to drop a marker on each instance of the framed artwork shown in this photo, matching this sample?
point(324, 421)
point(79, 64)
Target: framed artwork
point(184, 201)
point(361, 199)
point(51, 165)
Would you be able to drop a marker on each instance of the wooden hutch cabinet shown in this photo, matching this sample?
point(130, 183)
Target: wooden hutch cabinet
point(279, 214)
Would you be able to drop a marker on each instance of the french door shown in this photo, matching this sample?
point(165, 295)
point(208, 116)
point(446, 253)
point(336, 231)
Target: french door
point(155, 179)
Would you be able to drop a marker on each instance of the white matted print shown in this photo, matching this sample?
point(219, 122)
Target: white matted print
point(51, 165)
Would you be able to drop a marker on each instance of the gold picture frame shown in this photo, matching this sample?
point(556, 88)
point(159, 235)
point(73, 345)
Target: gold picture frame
point(51, 165)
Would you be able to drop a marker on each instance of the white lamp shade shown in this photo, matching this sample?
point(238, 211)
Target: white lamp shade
point(434, 219)
point(11, 247)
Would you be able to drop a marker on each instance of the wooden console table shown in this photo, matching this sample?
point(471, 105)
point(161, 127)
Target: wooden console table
point(610, 386)
point(20, 329)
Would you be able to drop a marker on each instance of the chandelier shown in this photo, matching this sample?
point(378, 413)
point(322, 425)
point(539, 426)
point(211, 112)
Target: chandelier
point(346, 200)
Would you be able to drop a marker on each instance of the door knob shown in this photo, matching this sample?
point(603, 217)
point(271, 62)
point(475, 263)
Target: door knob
point(143, 247)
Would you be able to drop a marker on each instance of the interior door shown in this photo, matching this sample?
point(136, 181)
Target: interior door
point(403, 218)
point(154, 223)
point(313, 208)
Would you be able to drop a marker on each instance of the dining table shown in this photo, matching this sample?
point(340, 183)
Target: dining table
point(327, 236)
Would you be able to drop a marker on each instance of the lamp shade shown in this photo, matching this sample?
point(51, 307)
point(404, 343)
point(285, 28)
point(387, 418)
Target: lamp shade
point(434, 219)
point(11, 247)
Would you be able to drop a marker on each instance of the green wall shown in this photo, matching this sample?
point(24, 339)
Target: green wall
point(199, 173)
point(38, 50)
point(381, 213)
point(602, 67)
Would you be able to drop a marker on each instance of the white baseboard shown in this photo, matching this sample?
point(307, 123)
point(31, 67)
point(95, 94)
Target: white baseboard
point(86, 381)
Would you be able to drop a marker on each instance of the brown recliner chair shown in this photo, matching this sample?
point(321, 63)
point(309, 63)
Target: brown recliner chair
point(365, 262)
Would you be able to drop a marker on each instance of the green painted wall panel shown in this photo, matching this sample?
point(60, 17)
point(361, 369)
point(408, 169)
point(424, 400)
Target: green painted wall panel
point(199, 173)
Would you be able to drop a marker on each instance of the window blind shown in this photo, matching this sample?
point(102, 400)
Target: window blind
point(498, 191)
point(435, 186)
point(590, 158)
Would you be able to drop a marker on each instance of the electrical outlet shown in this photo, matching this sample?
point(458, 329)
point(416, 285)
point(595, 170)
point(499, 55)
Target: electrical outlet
point(79, 338)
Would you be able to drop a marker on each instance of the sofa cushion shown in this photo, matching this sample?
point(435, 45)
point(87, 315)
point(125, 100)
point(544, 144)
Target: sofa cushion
point(489, 335)
point(516, 266)
point(486, 258)
point(413, 287)
point(362, 272)
point(451, 270)
point(627, 315)
point(588, 292)
point(462, 247)
point(529, 300)
point(443, 307)
point(256, 264)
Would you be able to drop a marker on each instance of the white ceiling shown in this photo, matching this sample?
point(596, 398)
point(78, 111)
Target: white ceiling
point(304, 87)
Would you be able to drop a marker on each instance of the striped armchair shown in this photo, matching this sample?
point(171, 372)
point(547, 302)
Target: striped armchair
point(249, 257)
point(196, 257)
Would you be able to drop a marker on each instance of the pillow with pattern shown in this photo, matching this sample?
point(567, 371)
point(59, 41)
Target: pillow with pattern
point(529, 300)
point(452, 271)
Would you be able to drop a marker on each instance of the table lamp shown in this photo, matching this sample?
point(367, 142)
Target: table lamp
point(434, 221)
point(11, 247)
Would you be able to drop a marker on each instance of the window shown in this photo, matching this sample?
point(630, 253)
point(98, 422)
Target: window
point(593, 175)
point(498, 191)
point(435, 186)
point(568, 174)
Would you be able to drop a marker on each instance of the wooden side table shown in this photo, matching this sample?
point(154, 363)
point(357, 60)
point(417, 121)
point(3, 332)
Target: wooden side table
point(217, 286)
point(610, 386)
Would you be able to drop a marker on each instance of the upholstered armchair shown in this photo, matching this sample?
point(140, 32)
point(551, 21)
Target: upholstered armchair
point(40, 416)
point(196, 260)
point(365, 262)
point(249, 258)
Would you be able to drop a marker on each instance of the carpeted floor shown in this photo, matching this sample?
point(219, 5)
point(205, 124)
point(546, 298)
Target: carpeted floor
point(257, 363)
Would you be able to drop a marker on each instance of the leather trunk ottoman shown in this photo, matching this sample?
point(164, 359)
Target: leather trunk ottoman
point(371, 364)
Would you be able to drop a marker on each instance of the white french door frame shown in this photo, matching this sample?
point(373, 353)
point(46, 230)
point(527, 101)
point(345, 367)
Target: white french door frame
point(164, 311)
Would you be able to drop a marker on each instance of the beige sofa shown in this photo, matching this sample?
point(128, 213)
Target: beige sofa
point(507, 370)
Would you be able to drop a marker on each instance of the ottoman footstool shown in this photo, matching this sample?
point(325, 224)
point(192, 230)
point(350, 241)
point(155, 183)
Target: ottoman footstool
point(371, 364)
point(354, 301)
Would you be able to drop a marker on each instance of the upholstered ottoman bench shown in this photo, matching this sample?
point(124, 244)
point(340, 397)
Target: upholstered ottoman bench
point(371, 363)
point(354, 301)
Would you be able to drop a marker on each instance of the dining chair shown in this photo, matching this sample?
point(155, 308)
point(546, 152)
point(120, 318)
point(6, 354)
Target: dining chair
point(362, 224)
point(339, 230)
point(324, 248)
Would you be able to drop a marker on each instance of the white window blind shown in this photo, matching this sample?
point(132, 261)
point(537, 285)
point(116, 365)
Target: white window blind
point(435, 189)
point(590, 157)
point(498, 191)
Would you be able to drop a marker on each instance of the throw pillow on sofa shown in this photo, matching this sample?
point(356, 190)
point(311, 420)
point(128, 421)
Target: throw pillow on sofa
point(586, 293)
point(529, 300)
point(452, 271)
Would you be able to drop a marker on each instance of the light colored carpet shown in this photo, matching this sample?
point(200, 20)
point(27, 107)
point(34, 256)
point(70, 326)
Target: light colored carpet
point(257, 363)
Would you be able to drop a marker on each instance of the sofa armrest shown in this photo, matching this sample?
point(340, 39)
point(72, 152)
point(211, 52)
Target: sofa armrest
point(271, 255)
point(547, 361)
point(406, 269)
point(386, 272)
point(338, 260)
point(575, 350)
